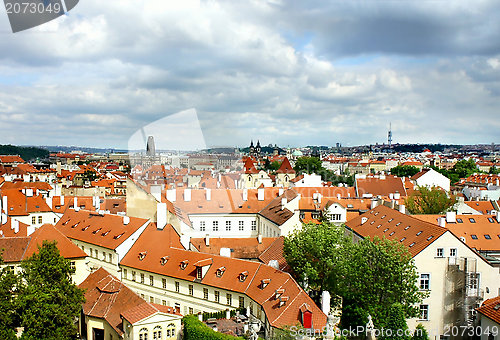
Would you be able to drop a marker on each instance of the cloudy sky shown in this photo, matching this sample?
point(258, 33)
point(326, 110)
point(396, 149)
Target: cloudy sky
point(288, 72)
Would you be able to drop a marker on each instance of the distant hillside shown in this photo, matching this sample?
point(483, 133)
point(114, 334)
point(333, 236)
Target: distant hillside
point(26, 153)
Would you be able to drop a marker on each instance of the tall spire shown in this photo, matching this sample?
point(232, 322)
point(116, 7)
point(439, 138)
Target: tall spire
point(389, 136)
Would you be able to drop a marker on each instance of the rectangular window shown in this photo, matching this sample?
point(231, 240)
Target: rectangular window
point(151, 299)
point(228, 225)
point(133, 275)
point(202, 226)
point(110, 258)
point(240, 225)
point(177, 288)
point(73, 266)
point(425, 281)
point(39, 219)
point(205, 293)
point(104, 256)
point(217, 296)
point(241, 301)
point(124, 273)
point(163, 302)
point(151, 280)
point(164, 283)
point(254, 225)
point(33, 220)
point(424, 312)
point(215, 225)
point(439, 252)
point(190, 310)
point(453, 252)
point(229, 299)
point(191, 290)
point(142, 277)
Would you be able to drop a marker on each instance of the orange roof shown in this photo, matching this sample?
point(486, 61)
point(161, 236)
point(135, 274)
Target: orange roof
point(83, 202)
point(108, 231)
point(380, 186)
point(285, 167)
point(491, 309)
point(43, 186)
point(484, 207)
point(275, 252)
point(152, 242)
point(109, 299)
point(326, 191)
point(481, 232)
point(241, 248)
point(384, 222)
point(250, 167)
point(21, 205)
point(7, 231)
point(11, 159)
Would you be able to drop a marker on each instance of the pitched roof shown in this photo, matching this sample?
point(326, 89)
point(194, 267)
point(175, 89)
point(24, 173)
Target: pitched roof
point(22, 205)
point(384, 222)
point(481, 232)
point(154, 243)
point(13, 248)
point(82, 202)
point(106, 230)
point(285, 167)
point(109, 299)
point(419, 174)
point(484, 207)
point(275, 252)
point(326, 191)
point(43, 186)
point(380, 186)
point(491, 309)
point(11, 159)
point(250, 167)
point(7, 230)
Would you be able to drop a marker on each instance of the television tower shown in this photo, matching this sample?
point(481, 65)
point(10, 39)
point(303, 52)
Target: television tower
point(389, 136)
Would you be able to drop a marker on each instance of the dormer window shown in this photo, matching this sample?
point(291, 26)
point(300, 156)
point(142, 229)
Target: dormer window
point(118, 236)
point(75, 225)
point(96, 231)
point(264, 283)
point(243, 276)
point(164, 260)
point(283, 300)
point(105, 233)
point(219, 272)
point(184, 264)
point(85, 228)
point(278, 293)
point(142, 255)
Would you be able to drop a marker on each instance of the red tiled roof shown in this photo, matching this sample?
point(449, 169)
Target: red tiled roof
point(377, 186)
point(43, 186)
point(11, 159)
point(491, 309)
point(285, 167)
point(275, 252)
point(484, 207)
point(21, 205)
point(250, 167)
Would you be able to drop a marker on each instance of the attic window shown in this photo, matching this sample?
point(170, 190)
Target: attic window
point(404, 238)
point(383, 216)
point(118, 236)
point(278, 293)
point(376, 213)
point(184, 264)
point(105, 233)
point(283, 300)
point(372, 222)
point(164, 260)
point(85, 228)
point(76, 225)
point(392, 233)
point(379, 226)
point(390, 220)
point(459, 220)
point(472, 220)
point(429, 238)
point(386, 229)
point(399, 224)
point(219, 272)
point(412, 244)
point(406, 228)
point(486, 236)
point(65, 222)
point(474, 237)
point(142, 255)
point(265, 282)
point(243, 276)
point(420, 232)
point(491, 220)
point(96, 231)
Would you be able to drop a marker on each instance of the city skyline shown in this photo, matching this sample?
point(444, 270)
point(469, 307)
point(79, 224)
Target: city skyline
point(297, 74)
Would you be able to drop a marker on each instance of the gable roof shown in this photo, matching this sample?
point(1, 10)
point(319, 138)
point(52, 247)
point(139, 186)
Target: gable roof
point(383, 186)
point(250, 167)
point(384, 222)
point(153, 243)
point(491, 309)
point(285, 167)
point(484, 207)
point(106, 230)
point(21, 205)
point(275, 252)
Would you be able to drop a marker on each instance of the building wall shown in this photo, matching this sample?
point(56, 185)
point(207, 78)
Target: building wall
point(170, 326)
point(487, 326)
point(99, 257)
point(109, 332)
point(434, 178)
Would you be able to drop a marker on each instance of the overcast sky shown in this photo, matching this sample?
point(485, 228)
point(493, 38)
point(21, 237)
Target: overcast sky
point(286, 72)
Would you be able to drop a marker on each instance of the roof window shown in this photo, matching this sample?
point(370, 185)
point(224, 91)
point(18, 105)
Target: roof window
point(220, 271)
point(379, 226)
point(118, 236)
point(390, 220)
point(386, 229)
point(243, 276)
point(383, 216)
point(96, 231)
point(474, 237)
point(264, 283)
point(142, 255)
point(491, 220)
point(392, 233)
point(412, 244)
point(472, 220)
point(430, 238)
point(486, 236)
point(407, 227)
point(420, 232)
point(404, 238)
point(184, 264)
point(164, 260)
point(459, 220)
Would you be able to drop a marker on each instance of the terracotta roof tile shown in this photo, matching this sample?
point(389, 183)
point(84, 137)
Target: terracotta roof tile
point(241, 248)
point(491, 309)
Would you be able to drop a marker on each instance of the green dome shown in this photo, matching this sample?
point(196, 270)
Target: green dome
point(297, 153)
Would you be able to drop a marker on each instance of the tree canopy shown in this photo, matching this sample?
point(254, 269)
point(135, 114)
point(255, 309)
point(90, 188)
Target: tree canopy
point(404, 170)
point(8, 281)
point(427, 200)
point(308, 165)
point(48, 300)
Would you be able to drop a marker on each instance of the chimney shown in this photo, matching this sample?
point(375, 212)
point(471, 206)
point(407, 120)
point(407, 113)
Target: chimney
point(5, 205)
point(161, 215)
point(402, 209)
point(62, 200)
point(3, 218)
point(397, 195)
point(14, 224)
point(283, 203)
point(156, 192)
point(442, 222)
point(374, 203)
point(259, 238)
point(226, 252)
point(260, 194)
point(49, 201)
point(126, 220)
point(187, 195)
point(338, 196)
point(391, 196)
point(451, 217)
point(208, 193)
point(75, 203)
point(245, 194)
point(207, 240)
point(236, 184)
point(363, 220)
point(171, 195)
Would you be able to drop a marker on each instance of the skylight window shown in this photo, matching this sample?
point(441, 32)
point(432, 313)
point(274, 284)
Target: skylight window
point(391, 220)
point(386, 229)
point(486, 236)
point(420, 232)
point(472, 220)
point(407, 227)
point(412, 244)
point(429, 238)
point(404, 238)
point(383, 216)
point(474, 237)
point(379, 226)
point(392, 233)
point(459, 220)
point(491, 220)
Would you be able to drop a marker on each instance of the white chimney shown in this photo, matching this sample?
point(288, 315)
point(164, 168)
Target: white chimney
point(391, 196)
point(281, 191)
point(236, 184)
point(283, 203)
point(187, 195)
point(442, 222)
point(245, 194)
point(161, 215)
point(259, 238)
point(397, 195)
point(208, 193)
point(14, 224)
point(319, 198)
point(274, 264)
point(402, 209)
point(185, 241)
point(226, 252)
point(363, 220)
point(126, 220)
point(5, 205)
point(49, 201)
point(338, 196)
point(374, 203)
point(62, 200)
point(260, 194)
point(3, 218)
point(207, 240)
point(171, 195)
point(451, 217)
point(75, 203)
point(156, 192)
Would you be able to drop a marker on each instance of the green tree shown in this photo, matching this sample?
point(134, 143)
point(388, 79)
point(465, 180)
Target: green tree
point(8, 282)
point(396, 327)
point(427, 200)
point(316, 254)
point(494, 170)
point(49, 302)
point(420, 333)
point(464, 168)
point(380, 273)
point(404, 170)
point(308, 165)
